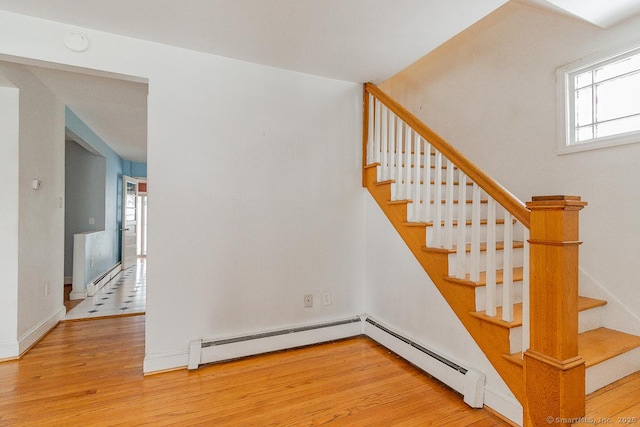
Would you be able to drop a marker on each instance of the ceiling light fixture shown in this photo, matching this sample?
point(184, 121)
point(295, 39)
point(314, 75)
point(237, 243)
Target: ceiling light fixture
point(75, 41)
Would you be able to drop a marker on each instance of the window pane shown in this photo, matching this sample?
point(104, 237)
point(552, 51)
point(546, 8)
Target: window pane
point(615, 127)
point(584, 133)
point(583, 106)
point(618, 98)
point(584, 79)
point(623, 66)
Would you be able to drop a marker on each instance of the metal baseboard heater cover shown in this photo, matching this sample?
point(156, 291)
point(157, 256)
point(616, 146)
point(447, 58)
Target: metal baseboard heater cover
point(415, 345)
point(198, 346)
point(468, 382)
point(279, 332)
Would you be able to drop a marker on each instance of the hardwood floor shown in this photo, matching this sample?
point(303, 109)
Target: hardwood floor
point(90, 374)
point(68, 302)
point(616, 404)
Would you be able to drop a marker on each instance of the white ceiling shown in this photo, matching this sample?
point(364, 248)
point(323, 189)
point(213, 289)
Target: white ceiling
point(352, 40)
point(603, 13)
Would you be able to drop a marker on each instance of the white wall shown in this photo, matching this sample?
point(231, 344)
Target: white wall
point(9, 130)
point(255, 198)
point(491, 92)
point(41, 212)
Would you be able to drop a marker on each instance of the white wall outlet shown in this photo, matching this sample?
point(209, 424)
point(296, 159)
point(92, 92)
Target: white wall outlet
point(308, 300)
point(46, 289)
point(326, 298)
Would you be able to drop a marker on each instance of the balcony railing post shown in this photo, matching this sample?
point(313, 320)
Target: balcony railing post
point(554, 372)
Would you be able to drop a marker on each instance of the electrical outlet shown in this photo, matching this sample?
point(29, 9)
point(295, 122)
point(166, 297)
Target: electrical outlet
point(308, 300)
point(46, 289)
point(326, 298)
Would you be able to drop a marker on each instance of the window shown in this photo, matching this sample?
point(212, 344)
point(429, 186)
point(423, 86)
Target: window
point(601, 101)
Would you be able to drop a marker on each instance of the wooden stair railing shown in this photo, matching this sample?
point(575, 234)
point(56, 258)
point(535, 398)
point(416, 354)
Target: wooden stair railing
point(465, 228)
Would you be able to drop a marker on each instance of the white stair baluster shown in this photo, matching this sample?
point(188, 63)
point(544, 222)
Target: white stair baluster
point(417, 146)
point(376, 132)
point(437, 201)
point(385, 143)
point(370, 130)
point(399, 161)
point(462, 220)
point(490, 288)
point(525, 292)
point(407, 161)
point(507, 275)
point(391, 130)
point(448, 219)
point(474, 268)
point(425, 213)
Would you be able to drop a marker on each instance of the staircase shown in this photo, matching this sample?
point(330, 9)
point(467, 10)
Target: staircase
point(508, 270)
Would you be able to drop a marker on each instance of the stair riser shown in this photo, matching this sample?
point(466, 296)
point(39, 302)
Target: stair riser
point(591, 319)
point(611, 370)
point(483, 211)
point(517, 260)
point(392, 173)
point(481, 295)
point(399, 193)
point(499, 233)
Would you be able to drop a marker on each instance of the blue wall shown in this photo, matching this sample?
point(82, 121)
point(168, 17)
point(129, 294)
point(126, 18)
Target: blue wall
point(134, 169)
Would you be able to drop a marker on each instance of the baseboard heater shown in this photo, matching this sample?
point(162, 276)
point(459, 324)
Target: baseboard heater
point(413, 344)
point(468, 382)
point(99, 282)
point(202, 352)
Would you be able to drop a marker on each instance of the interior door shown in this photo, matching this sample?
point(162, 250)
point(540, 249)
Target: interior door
point(129, 221)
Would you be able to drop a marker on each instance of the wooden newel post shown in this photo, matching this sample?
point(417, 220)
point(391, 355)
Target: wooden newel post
point(554, 373)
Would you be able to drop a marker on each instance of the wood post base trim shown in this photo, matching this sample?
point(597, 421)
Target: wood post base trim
point(562, 365)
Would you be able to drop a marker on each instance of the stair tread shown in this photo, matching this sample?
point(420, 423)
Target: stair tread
point(584, 303)
point(597, 346)
point(455, 202)
point(393, 181)
point(517, 277)
point(483, 247)
point(455, 223)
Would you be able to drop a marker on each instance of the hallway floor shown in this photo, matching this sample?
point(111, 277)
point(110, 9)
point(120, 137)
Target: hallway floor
point(125, 294)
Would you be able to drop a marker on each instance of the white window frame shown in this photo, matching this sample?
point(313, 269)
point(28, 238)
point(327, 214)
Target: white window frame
point(566, 114)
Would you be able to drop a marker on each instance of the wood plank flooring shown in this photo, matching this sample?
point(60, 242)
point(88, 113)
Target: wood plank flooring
point(90, 374)
point(617, 404)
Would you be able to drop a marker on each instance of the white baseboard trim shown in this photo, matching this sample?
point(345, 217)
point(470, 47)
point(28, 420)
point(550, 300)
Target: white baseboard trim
point(9, 351)
point(73, 295)
point(68, 280)
point(32, 336)
point(506, 406)
point(165, 361)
